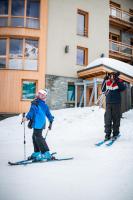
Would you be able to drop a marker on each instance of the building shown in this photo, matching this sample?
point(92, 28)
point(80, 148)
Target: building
point(23, 39)
point(91, 29)
point(46, 42)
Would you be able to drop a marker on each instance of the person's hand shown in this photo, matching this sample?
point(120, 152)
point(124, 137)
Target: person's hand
point(50, 125)
point(23, 119)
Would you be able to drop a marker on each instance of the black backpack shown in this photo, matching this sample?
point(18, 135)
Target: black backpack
point(34, 102)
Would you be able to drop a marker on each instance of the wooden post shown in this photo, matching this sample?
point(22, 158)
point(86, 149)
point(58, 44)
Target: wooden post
point(76, 96)
point(95, 90)
point(92, 94)
point(84, 94)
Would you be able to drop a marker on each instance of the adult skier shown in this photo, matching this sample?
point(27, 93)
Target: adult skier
point(112, 86)
point(37, 114)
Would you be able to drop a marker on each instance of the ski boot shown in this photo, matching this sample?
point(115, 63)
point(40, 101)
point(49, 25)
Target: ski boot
point(46, 156)
point(34, 156)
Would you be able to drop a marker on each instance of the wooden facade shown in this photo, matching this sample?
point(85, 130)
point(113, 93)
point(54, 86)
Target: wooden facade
point(11, 79)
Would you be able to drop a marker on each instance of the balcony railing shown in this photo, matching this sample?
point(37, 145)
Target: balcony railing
point(121, 48)
point(121, 14)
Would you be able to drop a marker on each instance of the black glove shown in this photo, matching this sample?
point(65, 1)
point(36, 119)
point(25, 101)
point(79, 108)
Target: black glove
point(50, 125)
point(116, 78)
point(106, 77)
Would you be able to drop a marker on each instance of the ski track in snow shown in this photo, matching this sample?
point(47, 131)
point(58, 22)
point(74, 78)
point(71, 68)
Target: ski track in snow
point(96, 173)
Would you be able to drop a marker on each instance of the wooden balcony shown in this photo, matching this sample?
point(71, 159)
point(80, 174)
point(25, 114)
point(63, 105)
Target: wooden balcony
point(121, 51)
point(121, 19)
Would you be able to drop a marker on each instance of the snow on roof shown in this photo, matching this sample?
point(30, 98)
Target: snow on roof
point(114, 65)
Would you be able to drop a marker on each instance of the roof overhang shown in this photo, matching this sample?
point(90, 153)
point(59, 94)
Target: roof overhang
point(100, 70)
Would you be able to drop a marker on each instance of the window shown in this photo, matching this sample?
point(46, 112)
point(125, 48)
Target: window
point(114, 37)
point(15, 53)
point(82, 56)
point(24, 13)
point(4, 13)
point(31, 54)
point(82, 23)
point(28, 89)
point(33, 11)
point(23, 53)
point(17, 8)
point(2, 53)
point(131, 41)
point(33, 8)
point(4, 7)
point(71, 92)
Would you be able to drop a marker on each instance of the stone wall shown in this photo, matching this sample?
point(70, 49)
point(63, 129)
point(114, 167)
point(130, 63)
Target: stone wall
point(57, 90)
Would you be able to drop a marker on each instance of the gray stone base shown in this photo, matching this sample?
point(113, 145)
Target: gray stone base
point(57, 90)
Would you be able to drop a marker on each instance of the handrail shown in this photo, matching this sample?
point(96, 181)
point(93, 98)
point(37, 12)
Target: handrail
point(121, 48)
point(121, 14)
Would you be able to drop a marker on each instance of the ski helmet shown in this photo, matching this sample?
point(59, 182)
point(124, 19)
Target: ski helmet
point(42, 94)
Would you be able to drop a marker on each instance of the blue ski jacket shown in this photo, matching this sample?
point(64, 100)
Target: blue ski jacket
point(38, 112)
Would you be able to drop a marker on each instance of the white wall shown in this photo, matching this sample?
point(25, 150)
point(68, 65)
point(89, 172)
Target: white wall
point(62, 26)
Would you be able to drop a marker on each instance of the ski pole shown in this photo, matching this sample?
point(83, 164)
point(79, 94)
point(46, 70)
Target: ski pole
point(102, 95)
point(46, 133)
point(24, 139)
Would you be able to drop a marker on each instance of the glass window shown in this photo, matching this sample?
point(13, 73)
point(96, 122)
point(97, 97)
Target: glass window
point(17, 22)
point(15, 63)
point(2, 62)
point(3, 7)
point(3, 21)
point(31, 49)
point(71, 93)
point(81, 19)
point(80, 56)
point(30, 64)
point(32, 23)
point(82, 23)
point(16, 48)
point(33, 8)
point(17, 8)
point(28, 90)
point(2, 47)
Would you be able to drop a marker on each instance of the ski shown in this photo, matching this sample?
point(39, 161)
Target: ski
point(27, 162)
point(100, 143)
point(110, 143)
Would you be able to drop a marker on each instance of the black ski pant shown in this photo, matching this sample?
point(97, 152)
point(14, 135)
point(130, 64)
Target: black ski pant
point(39, 142)
point(112, 119)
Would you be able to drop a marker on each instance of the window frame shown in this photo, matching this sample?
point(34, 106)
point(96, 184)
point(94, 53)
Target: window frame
point(86, 22)
point(30, 80)
point(114, 35)
point(23, 53)
point(85, 63)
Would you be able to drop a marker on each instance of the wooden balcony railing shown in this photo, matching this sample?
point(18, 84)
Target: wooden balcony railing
point(121, 14)
point(121, 48)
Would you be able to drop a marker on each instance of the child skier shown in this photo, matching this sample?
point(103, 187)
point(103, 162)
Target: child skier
point(37, 115)
point(112, 86)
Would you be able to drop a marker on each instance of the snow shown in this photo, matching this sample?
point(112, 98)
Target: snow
point(114, 64)
point(96, 173)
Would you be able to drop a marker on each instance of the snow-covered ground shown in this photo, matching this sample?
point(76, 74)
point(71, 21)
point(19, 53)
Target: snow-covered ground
point(96, 173)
